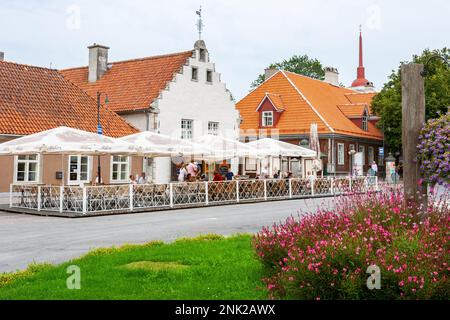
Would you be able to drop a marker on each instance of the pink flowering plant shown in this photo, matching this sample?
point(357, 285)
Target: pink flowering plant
point(434, 150)
point(325, 255)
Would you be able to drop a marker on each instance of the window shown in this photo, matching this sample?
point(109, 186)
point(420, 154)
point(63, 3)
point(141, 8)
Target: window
point(361, 149)
point(213, 128)
point(351, 147)
point(341, 154)
point(27, 168)
point(267, 119)
point(370, 154)
point(364, 121)
point(202, 55)
point(79, 169)
point(194, 73)
point(186, 129)
point(209, 76)
point(120, 168)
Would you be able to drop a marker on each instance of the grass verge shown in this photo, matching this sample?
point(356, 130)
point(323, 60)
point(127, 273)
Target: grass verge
point(207, 267)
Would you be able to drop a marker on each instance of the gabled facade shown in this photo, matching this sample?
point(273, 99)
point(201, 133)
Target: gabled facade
point(343, 117)
point(179, 94)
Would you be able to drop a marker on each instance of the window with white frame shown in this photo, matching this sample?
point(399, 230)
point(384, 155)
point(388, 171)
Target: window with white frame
point(341, 153)
point(267, 118)
point(370, 154)
point(120, 168)
point(362, 150)
point(187, 129)
point(79, 169)
point(364, 121)
point(27, 168)
point(213, 128)
point(351, 147)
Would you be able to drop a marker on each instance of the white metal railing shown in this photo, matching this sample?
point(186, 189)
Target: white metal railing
point(91, 199)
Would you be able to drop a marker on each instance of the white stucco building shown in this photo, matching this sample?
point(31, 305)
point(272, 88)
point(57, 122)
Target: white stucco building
point(178, 94)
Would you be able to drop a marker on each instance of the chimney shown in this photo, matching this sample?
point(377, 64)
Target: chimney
point(2, 56)
point(331, 76)
point(269, 72)
point(98, 61)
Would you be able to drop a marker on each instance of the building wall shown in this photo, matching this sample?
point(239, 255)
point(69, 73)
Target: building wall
point(50, 164)
point(199, 101)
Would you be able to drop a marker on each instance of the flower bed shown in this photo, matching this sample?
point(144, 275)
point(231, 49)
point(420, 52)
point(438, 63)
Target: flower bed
point(433, 150)
point(326, 255)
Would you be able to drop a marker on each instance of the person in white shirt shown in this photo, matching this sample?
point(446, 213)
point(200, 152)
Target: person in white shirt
point(311, 177)
point(374, 168)
point(183, 173)
point(132, 180)
point(264, 173)
point(142, 179)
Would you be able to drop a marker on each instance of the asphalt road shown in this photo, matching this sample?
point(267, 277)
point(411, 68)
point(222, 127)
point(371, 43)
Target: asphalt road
point(25, 239)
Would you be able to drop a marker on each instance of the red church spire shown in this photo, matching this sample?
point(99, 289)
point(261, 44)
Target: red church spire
point(361, 80)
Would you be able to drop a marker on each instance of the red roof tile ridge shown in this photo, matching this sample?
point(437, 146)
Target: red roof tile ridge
point(318, 81)
point(28, 66)
point(138, 59)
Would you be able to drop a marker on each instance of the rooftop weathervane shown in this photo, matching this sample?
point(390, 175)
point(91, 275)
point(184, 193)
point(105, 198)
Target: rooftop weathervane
point(200, 24)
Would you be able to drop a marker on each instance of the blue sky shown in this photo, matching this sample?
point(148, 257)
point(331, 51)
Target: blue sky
point(243, 37)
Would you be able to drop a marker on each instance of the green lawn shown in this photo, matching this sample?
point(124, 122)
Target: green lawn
point(209, 267)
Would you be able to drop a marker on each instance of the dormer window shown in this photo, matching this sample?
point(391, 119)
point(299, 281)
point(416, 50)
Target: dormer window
point(267, 118)
point(364, 121)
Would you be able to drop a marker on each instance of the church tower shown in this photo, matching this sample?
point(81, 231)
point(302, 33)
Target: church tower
point(361, 83)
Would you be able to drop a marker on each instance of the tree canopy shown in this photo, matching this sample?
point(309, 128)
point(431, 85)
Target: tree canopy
point(299, 64)
point(388, 103)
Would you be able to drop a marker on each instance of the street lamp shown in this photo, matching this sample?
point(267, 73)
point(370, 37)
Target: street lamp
point(99, 132)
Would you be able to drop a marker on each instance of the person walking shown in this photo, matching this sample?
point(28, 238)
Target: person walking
point(374, 168)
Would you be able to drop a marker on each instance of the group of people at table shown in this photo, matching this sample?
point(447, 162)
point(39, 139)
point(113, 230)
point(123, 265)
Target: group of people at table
point(192, 172)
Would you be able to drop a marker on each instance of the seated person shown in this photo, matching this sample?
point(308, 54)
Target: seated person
point(143, 179)
point(217, 176)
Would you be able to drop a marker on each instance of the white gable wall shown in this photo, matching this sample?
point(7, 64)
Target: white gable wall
point(195, 100)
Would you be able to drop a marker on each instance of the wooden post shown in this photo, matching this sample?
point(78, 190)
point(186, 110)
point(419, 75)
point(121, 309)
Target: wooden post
point(413, 118)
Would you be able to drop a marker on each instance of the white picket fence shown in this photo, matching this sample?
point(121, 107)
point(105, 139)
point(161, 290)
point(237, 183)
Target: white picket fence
point(95, 199)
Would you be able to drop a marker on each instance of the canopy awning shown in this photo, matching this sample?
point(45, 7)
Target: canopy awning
point(65, 140)
point(270, 147)
point(224, 148)
point(158, 145)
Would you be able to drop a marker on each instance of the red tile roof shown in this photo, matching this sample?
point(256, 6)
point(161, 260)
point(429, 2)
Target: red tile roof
point(353, 110)
point(34, 99)
point(276, 100)
point(133, 84)
point(306, 101)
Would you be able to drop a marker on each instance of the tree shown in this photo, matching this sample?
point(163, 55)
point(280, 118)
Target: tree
point(298, 64)
point(388, 103)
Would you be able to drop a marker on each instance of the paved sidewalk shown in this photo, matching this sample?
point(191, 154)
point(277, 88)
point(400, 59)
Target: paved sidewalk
point(25, 239)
